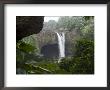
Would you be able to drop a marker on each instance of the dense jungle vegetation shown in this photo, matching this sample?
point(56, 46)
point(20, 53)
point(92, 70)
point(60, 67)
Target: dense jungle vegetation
point(38, 52)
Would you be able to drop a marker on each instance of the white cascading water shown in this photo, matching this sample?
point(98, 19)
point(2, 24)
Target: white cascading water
point(61, 43)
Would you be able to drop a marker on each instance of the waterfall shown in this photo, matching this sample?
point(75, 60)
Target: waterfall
point(61, 45)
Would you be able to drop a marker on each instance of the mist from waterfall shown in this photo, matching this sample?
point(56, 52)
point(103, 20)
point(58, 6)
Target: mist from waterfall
point(61, 44)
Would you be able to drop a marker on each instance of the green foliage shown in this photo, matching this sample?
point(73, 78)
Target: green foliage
point(50, 25)
point(71, 23)
point(84, 56)
point(29, 45)
point(28, 63)
point(63, 22)
point(26, 47)
point(68, 23)
point(49, 65)
point(65, 64)
point(88, 17)
point(32, 69)
point(83, 61)
point(88, 29)
point(84, 47)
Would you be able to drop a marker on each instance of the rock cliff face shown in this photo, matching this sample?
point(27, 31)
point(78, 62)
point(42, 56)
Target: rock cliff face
point(28, 25)
point(47, 42)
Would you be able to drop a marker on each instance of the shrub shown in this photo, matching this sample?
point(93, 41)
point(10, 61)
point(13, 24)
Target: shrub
point(83, 61)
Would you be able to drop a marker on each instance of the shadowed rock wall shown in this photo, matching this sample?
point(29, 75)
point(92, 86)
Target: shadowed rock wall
point(28, 25)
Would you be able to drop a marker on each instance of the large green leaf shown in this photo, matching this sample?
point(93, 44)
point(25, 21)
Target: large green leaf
point(26, 47)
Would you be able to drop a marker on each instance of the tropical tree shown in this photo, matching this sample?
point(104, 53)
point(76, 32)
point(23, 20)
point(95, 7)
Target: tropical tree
point(50, 25)
point(71, 22)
